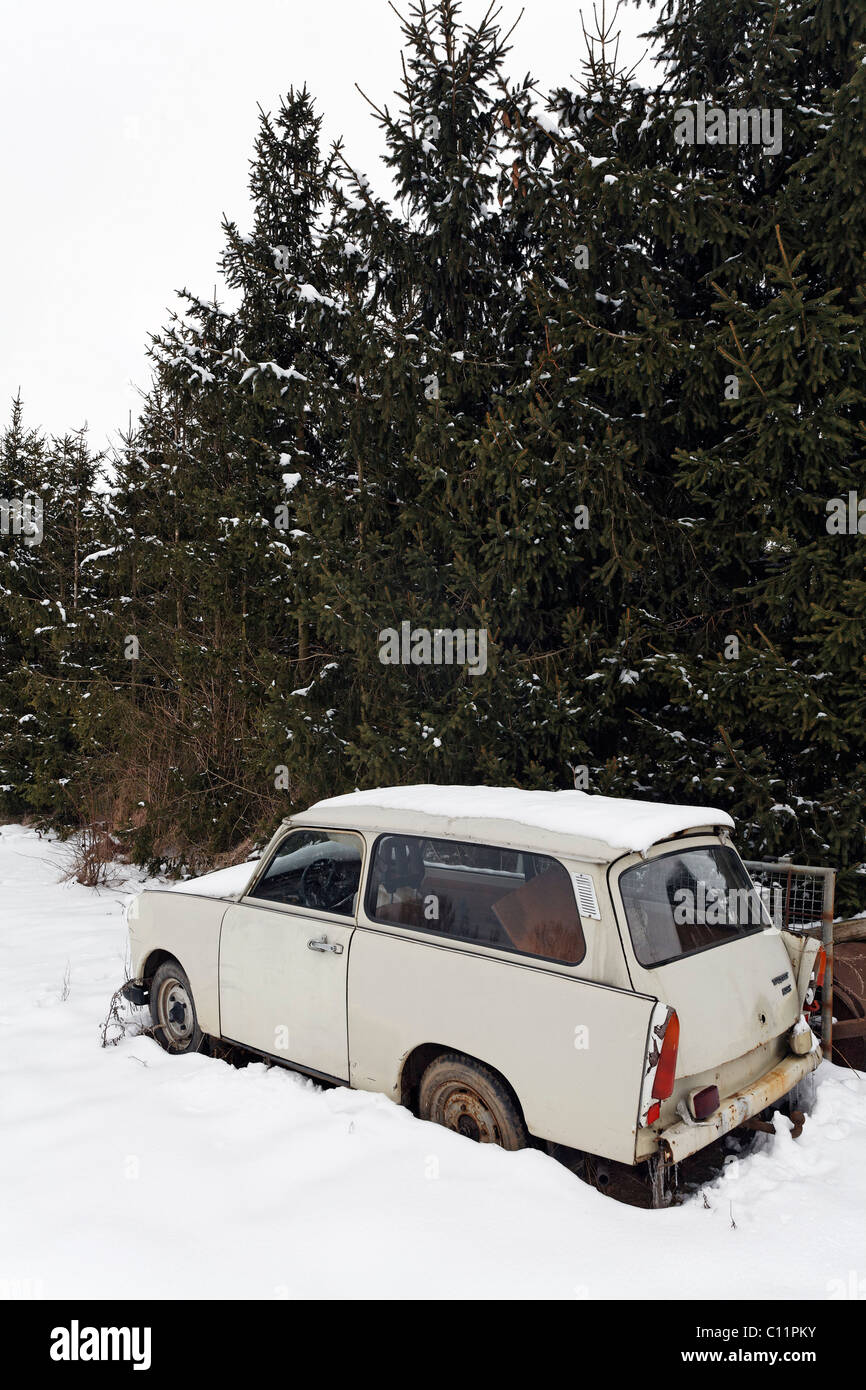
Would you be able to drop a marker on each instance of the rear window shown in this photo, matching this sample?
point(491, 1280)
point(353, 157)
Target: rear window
point(477, 893)
point(689, 901)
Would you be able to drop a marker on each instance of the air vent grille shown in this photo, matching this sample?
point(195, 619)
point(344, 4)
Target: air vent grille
point(587, 902)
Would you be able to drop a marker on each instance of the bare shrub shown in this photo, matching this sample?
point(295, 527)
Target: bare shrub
point(95, 849)
point(186, 786)
point(94, 856)
point(120, 1023)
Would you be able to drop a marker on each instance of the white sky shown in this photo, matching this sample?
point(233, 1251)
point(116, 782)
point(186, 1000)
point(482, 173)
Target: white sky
point(127, 133)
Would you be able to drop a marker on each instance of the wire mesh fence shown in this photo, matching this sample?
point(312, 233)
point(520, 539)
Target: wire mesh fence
point(799, 897)
point(795, 896)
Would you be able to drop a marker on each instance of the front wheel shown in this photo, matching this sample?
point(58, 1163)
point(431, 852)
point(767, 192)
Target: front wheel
point(471, 1099)
point(172, 1007)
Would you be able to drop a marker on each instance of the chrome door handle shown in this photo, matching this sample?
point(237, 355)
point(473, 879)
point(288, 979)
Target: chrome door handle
point(323, 944)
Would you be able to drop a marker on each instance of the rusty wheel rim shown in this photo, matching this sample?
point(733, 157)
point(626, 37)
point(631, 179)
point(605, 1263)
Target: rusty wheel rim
point(459, 1108)
point(174, 1011)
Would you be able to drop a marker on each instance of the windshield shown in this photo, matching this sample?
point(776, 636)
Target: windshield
point(688, 901)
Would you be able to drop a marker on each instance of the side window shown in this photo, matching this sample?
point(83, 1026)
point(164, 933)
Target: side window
point(478, 893)
point(314, 868)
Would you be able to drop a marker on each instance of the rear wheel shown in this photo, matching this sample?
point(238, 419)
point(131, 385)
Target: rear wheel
point(470, 1099)
point(172, 1007)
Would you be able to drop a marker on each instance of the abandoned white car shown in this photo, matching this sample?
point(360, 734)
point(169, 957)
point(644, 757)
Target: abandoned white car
point(518, 966)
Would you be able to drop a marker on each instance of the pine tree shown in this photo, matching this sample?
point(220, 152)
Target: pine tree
point(423, 351)
point(576, 383)
point(51, 620)
point(203, 482)
point(768, 669)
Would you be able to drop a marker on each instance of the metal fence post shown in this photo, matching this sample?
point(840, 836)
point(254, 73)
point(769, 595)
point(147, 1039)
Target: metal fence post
point(827, 940)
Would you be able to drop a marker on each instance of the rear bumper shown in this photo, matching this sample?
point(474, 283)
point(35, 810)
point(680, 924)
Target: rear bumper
point(684, 1138)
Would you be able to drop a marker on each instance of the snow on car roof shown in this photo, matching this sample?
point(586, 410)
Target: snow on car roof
point(598, 828)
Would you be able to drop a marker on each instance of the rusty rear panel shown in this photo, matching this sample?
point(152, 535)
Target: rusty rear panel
point(730, 1077)
point(849, 1003)
point(683, 1138)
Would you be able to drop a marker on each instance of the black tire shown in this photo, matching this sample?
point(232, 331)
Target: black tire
point(470, 1099)
point(172, 1009)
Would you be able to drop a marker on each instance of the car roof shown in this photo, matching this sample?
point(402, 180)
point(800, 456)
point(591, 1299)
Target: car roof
point(574, 824)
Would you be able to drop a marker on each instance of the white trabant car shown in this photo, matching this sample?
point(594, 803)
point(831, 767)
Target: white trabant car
point(518, 966)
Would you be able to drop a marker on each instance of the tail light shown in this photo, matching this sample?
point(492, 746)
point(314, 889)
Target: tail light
point(663, 1082)
point(810, 1004)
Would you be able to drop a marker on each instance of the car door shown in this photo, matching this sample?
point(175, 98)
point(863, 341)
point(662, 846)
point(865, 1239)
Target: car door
point(284, 951)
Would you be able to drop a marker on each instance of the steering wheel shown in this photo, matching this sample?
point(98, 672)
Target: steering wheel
point(318, 883)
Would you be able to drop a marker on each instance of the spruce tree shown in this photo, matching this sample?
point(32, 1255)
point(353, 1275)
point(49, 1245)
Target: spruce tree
point(52, 620)
point(786, 326)
point(203, 483)
point(423, 351)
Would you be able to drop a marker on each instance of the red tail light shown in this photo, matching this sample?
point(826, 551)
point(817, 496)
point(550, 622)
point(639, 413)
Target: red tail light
point(820, 967)
point(667, 1065)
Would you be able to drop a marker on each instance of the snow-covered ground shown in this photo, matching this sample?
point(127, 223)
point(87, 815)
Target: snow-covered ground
point(128, 1173)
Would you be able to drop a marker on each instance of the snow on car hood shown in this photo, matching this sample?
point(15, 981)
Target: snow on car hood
point(219, 884)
